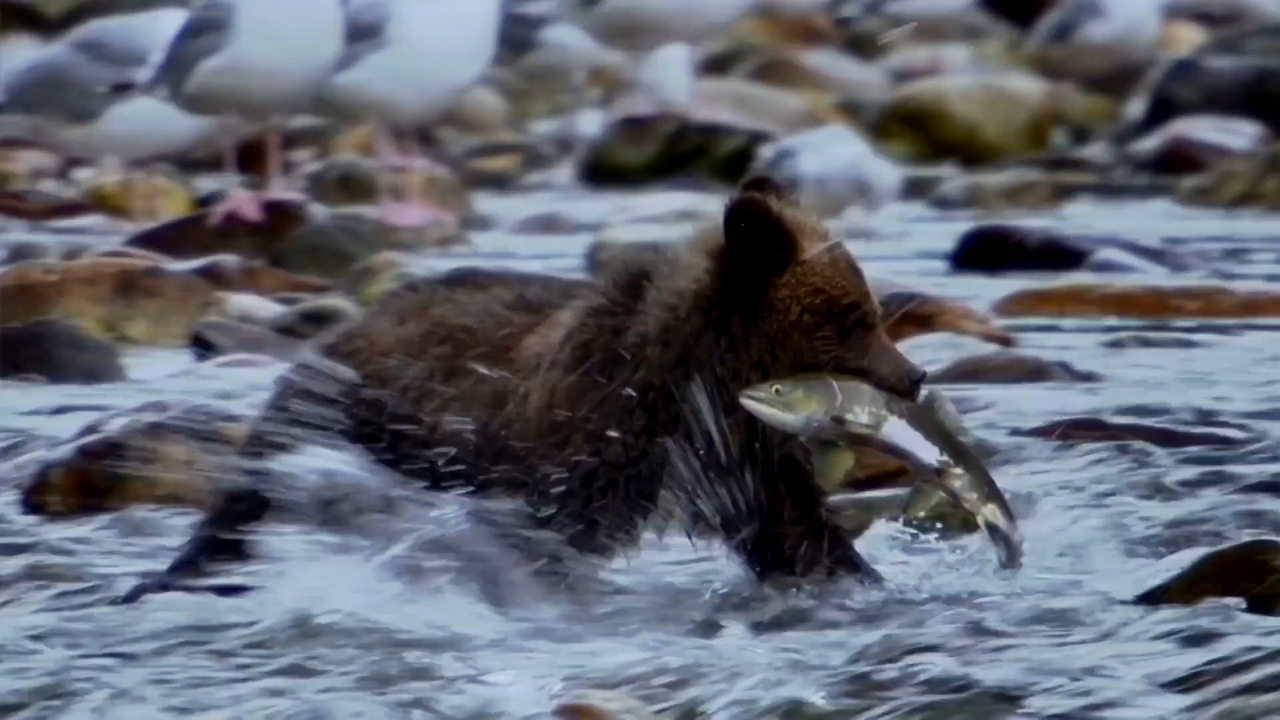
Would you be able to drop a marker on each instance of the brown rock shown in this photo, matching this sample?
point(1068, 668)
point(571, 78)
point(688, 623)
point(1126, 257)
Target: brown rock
point(58, 352)
point(123, 300)
point(157, 456)
point(233, 273)
point(1245, 570)
point(1155, 302)
point(908, 314)
point(193, 237)
point(1095, 430)
point(40, 206)
point(1005, 367)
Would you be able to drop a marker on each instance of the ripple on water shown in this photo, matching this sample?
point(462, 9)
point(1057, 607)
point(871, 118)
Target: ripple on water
point(356, 625)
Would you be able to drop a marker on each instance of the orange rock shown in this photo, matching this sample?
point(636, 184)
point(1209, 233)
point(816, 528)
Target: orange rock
point(1146, 302)
point(910, 313)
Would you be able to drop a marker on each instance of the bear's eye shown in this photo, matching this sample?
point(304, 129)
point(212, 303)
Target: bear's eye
point(776, 389)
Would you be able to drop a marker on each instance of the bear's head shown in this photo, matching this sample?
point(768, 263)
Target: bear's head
point(805, 302)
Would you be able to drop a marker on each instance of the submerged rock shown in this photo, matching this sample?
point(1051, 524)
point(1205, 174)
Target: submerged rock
point(154, 455)
point(1005, 367)
point(1246, 181)
point(982, 118)
point(601, 705)
point(1195, 143)
point(1153, 302)
point(121, 300)
point(1245, 570)
point(1098, 430)
point(58, 352)
point(1011, 189)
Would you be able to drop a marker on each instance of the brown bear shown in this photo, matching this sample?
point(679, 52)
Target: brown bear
point(571, 393)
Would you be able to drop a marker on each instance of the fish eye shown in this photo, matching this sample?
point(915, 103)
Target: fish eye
point(775, 389)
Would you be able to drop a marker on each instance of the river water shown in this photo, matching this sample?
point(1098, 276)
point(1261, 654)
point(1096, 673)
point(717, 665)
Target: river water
point(369, 626)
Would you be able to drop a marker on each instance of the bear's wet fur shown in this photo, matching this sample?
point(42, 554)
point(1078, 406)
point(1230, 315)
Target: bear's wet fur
point(570, 393)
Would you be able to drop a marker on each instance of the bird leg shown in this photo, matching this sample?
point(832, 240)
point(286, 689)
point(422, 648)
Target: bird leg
point(248, 206)
point(414, 210)
point(237, 202)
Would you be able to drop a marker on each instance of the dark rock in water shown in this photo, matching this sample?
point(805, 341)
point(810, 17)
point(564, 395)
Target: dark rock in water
point(1259, 487)
point(645, 149)
point(1207, 83)
point(1004, 367)
point(193, 237)
point(1095, 430)
point(1194, 143)
point(214, 337)
point(27, 250)
point(1161, 342)
point(155, 454)
point(997, 248)
point(59, 352)
point(1245, 570)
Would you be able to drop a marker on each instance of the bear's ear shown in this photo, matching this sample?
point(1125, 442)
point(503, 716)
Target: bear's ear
point(759, 243)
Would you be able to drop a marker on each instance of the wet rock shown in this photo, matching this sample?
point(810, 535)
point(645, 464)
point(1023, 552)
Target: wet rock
point(998, 247)
point(1248, 181)
point(155, 455)
point(352, 180)
point(1207, 82)
point(1153, 302)
point(1011, 189)
point(502, 163)
point(1098, 430)
point(246, 307)
point(330, 247)
point(830, 168)
point(58, 352)
point(601, 705)
point(1195, 143)
point(215, 337)
point(146, 197)
point(1097, 45)
point(192, 236)
point(550, 223)
point(309, 319)
point(1005, 367)
point(40, 206)
point(640, 150)
point(121, 300)
point(372, 278)
point(25, 250)
point(482, 110)
point(909, 313)
point(233, 273)
point(1245, 570)
point(983, 118)
point(89, 252)
point(1151, 342)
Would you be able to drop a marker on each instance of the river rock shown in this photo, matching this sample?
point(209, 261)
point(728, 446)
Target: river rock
point(1098, 430)
point(330, 247)
point(1205, 83)
point(114, 252)
point(1009, 189)
point(830, 168)
point(909, 313)
point(192, 236)
point(1153, 302)
point(311, 318)
point(152, 455)
point(121, 300)
point(233, 273)
point(58, 352)
point(645, 149)
point(1194, 143)
point(217, 337)
point(1106, 46)
point(372, 278)
point(42, 206)
point(1245, 570)
point(352, 180)
point(981, 118)
point(1248, 181)
point(143, 197)
point(601, 705)
point(502, 163)
point(1005, 367)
